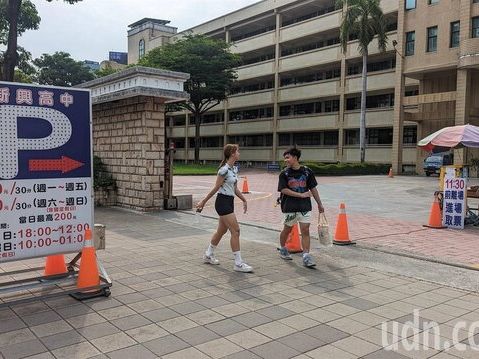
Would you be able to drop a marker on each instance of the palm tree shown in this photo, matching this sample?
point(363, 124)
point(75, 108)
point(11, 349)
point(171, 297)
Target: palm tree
point(364, 20)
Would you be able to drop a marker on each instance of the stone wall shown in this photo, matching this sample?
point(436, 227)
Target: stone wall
point(129, 137)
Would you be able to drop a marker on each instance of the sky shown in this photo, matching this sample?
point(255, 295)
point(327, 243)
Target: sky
point(90, 29)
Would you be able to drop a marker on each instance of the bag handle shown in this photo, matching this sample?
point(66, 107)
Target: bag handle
point(322, 219)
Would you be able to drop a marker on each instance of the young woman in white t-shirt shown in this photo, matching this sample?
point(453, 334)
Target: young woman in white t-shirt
point(226, 187)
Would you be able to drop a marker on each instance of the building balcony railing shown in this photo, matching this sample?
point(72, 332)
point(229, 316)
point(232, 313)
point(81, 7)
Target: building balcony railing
point(353, 50)
point(375, 117)
point(311, 58)
point(314, 153)
point(257, 98)
point(261, 125)
point(313, 122)
point(312, 26)
point(309, 90)
point(206, 129)
point(376, 81)
point(255, 70)
point(254, 42)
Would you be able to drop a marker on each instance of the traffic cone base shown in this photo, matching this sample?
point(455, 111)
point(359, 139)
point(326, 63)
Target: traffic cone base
point(293, 243)
point(341, 237)
point(245, 186)
point(55, 266)
point(435, 217)
point(88, 275)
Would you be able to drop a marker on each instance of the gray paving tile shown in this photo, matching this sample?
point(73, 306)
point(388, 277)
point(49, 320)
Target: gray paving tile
point(360, 303)
point(98, 330)
point(113, 342)
point(275, 312)
point(245, 354)
point(187, 308)
point(161, 314)
point(21, 350)
point(62, 339)
point(41, 318)
point(131, 298)
point(274, 350)
point(135, 351)
point(133, 321)
point(301, 342)
point(197, 335)
point(81, 350)
point(74, 310)
point(165, 345)
point(326, 333)
point(385, 354)
point(251, 319)
point(226, 327)
point(11, 324)
point(212, 302)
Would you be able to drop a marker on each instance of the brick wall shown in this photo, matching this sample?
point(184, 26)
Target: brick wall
point(129, 136)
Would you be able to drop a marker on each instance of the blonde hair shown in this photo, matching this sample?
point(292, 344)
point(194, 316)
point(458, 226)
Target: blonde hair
point(228, 150)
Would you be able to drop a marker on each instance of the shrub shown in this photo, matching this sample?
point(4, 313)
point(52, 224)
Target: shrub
point(101, 177)
point(347, 169)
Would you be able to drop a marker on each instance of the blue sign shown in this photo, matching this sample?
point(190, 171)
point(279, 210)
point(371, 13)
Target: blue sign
point(45, 132)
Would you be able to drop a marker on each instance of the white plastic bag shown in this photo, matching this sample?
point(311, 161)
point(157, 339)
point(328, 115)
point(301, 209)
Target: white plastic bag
point(323, 231)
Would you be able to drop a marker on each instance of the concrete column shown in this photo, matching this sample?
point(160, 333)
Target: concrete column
point(463, 106)
point(187, 142)
point(226, 102)
point(342, 108)
point(277, 50)
point(399, 87)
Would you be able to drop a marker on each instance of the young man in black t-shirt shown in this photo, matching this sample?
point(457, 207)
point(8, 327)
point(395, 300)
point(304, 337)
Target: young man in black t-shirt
point(297, 184)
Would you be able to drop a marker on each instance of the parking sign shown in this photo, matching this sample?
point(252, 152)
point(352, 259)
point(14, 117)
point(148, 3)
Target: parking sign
point(45, 170)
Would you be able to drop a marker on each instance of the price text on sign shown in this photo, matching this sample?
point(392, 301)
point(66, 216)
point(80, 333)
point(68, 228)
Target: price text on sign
point(45, 170)
point(454, 204)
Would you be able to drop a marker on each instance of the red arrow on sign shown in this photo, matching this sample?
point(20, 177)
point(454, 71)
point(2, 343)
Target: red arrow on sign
point(64, 164)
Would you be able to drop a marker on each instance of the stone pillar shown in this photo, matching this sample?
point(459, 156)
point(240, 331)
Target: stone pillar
point(277, 50)
point(129, 131)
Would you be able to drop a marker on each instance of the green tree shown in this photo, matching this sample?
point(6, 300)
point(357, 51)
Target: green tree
point(60, 69)
point(16, 16)
point(26, 19)
point(364, 20)
point(210, 64)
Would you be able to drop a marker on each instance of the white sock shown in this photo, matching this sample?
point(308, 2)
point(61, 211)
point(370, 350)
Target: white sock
point(238, 259)
point(210, 250)
point(305, 254)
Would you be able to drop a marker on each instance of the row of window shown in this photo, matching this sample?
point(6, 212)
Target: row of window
point(311, 15)
point(299, 109)
point(252, 87)
point(432, 36)
point(411, 4)
point(374, 136)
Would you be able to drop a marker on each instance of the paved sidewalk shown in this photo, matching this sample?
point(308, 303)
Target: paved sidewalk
point(166, 304)
point(382, 211)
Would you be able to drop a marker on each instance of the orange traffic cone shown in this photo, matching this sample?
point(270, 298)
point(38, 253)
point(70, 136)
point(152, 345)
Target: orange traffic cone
point(391, 174)
point(293, 243)
point(55, 265)
point(88, 275)
point(435, 217)
point(341, 237)
point(245, 186)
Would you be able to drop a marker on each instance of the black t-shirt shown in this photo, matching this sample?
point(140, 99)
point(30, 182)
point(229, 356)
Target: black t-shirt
point(300, 180)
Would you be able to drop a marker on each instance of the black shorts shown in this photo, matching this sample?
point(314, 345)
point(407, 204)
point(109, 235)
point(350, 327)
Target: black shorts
point(224, 204)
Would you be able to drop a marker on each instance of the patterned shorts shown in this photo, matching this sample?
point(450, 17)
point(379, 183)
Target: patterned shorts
point(290, 219)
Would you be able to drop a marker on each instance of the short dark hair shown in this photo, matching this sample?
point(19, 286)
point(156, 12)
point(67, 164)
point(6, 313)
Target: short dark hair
point(293, 151)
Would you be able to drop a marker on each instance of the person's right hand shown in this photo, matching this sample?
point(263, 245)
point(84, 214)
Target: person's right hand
point(306, 194)
point(200, 205)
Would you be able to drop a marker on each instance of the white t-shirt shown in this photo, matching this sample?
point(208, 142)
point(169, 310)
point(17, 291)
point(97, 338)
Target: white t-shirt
point(231, 178)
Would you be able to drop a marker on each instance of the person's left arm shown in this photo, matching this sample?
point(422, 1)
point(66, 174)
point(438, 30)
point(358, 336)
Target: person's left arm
point(312, 186)
point(241, 197)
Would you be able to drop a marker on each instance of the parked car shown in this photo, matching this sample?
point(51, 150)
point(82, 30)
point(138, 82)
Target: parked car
point(433, 163)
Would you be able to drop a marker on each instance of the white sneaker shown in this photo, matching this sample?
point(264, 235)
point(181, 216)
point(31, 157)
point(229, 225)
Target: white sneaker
point(243, 267)
point(211, 259)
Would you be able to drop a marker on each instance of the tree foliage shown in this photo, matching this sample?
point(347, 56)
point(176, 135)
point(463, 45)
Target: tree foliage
point(210, 64)
point(363, 20)
point(16, 17)
point(59, 69)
